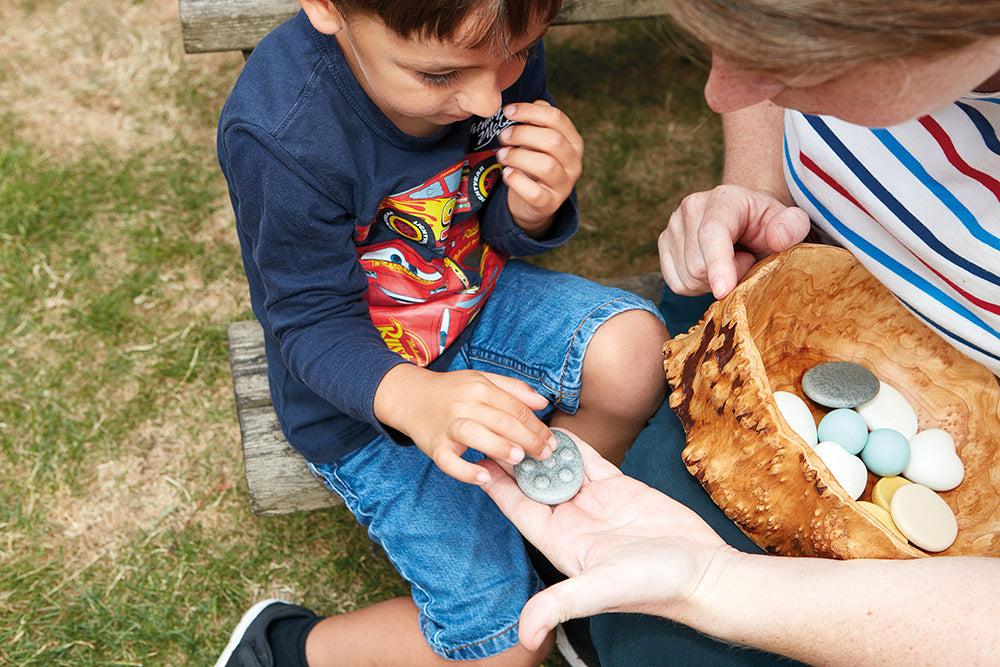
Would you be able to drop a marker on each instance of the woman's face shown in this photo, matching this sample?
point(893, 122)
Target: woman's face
point(877, 94)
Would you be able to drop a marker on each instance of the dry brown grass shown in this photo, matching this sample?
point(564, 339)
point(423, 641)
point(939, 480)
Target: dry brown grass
point(100, 72)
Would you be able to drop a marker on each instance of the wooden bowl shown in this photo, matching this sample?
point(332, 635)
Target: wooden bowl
point(794, 310)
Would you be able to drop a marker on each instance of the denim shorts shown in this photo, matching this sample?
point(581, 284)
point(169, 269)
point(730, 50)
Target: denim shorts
point(466, 563)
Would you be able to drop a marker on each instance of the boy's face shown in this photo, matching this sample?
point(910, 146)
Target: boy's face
point(422, 85)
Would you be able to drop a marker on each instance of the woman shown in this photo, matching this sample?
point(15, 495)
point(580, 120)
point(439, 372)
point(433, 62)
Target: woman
point(876, 124)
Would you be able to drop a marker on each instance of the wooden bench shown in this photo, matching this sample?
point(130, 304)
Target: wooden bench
point(237, 25)
point(278, 480)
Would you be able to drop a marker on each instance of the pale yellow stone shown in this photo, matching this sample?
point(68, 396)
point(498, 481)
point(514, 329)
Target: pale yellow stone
point(882, 515)
point(884, 488)
point(924, 517)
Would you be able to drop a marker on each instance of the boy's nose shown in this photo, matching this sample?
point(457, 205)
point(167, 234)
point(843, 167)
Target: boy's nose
point(482, 96)
point(730, 88)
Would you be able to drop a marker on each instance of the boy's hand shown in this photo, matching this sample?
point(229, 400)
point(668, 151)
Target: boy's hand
point(447, 413)
point(542, 160)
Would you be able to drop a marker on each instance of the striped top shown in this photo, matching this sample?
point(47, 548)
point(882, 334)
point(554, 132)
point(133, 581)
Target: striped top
point(919, 205)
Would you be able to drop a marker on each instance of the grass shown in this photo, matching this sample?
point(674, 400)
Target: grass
point(125, 532)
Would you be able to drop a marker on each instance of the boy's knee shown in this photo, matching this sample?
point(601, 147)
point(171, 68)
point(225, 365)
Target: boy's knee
point(626, 355)
point(519, 656)
point(630, 342)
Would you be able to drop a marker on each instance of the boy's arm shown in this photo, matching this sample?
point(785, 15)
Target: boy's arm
point(300, 256)
point(307, 285)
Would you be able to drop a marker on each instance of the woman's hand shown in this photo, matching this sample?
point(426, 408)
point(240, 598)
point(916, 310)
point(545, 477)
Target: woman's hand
point(625, 546)
point(714, 237)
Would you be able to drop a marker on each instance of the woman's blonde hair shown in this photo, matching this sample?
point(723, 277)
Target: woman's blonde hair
point(798, 35)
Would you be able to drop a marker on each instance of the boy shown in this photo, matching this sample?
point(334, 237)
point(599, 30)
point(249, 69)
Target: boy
point(384, 159)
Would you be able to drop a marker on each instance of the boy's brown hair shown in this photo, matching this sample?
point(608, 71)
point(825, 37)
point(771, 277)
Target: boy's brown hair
point(499, 22)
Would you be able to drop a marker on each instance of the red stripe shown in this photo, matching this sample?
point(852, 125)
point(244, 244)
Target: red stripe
point(948, 147)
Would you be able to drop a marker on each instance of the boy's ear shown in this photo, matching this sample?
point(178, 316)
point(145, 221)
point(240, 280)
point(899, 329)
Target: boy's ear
point(323, 15)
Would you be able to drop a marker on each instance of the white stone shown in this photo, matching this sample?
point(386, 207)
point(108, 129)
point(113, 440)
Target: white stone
point(934, 461)
point(849, 471)
point(889, 409)
point(797, 414)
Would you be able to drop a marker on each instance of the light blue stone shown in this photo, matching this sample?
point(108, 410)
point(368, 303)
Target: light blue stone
point(886, 453)
point(845, 427)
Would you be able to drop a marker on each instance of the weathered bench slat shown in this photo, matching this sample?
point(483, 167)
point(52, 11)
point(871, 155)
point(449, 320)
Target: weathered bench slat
point(278, 481)
point(237, 25)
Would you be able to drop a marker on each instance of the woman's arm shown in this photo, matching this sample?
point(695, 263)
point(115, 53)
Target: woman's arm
point(629, 548)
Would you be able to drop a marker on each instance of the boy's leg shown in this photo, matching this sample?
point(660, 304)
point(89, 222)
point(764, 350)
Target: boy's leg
point(389, 633)
point(466, 563)
point(623, 383)
point(595, 352)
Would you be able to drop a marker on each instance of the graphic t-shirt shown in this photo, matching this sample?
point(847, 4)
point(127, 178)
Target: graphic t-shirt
point(429, 272)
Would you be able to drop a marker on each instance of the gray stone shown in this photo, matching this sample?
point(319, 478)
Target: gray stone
point(556, 479)
point(840, 384)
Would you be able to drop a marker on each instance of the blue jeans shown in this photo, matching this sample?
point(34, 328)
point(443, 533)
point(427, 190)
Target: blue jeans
point(466, 563)
point(655, 459)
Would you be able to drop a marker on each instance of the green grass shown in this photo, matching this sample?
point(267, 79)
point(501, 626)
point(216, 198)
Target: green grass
point(125, 532)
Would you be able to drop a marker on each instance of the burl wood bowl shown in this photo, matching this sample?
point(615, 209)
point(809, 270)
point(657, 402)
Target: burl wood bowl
point(797, 309)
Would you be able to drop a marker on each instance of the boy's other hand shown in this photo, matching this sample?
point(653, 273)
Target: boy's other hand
point(542, 159)
point(447, 413)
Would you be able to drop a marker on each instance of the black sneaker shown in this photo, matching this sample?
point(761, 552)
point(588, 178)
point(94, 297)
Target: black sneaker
point(249, 645)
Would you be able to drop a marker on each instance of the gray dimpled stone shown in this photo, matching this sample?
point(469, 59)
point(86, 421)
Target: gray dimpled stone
point(840, 384)
point(556, 479)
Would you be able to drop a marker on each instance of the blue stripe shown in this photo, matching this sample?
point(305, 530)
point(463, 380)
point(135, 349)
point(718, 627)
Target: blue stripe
point(894, 205)
point(985, 128)
point(885, 260)
point(944, 195)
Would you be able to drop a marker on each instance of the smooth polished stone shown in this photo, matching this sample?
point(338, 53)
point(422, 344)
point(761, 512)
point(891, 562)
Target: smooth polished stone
point(845, 427)
point(886, 452)
point(840, 384)
point(934, 461)
point(889, 409)
point(884, 488)
point(882, 515)
point(798, 416)
point(924, 517)
point(555, 479)
point(847, 469)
